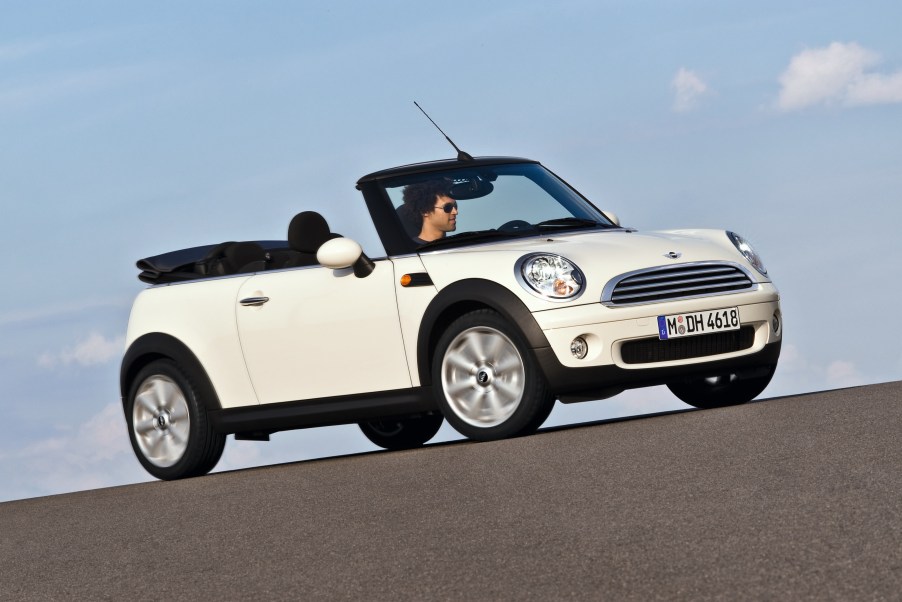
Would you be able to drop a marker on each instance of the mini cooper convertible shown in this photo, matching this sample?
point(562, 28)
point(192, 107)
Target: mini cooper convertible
point(498, 290)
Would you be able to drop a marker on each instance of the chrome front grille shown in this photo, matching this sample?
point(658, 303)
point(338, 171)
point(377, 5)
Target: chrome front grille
point(684, 281)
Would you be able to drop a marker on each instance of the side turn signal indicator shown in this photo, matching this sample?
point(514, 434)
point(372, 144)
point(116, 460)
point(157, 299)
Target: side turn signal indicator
point(416, 279)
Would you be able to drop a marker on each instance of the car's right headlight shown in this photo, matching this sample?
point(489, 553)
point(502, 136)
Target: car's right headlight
point(744, 247)
point(549, 276)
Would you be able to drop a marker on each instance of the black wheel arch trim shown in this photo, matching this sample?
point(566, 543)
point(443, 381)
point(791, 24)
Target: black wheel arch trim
point(461, 297)
point(158, 345)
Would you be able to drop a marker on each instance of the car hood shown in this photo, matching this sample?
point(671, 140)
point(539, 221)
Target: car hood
point(601, 256)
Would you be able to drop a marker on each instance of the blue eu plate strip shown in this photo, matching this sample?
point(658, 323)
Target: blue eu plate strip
point(662, 327)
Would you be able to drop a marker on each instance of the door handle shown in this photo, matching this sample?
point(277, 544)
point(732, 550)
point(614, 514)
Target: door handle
point(254, 301)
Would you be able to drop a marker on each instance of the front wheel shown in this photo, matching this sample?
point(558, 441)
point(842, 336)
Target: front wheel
point(168, 425)
point(486, 380)
point(402, 433)
point(722, 390)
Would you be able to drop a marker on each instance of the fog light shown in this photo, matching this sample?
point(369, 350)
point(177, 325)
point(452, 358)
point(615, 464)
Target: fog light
point(776, 323)
point(579, 348)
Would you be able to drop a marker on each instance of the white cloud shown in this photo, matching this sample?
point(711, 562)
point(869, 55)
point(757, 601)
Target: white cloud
point(842, 373)
point(837, 74)
point(688, 88)
point(792, 360)
point(797, 373)
point(96, 349)
point(241, 454)
point(874, 88)
point(95, 454)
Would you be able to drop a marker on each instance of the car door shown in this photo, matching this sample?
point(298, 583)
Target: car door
point(314, 332)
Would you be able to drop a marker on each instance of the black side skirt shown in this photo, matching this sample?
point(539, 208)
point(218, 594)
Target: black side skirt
point(269, 418)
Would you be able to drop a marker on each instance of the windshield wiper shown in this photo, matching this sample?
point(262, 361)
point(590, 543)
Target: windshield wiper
point(474, 235)
point(564, 222)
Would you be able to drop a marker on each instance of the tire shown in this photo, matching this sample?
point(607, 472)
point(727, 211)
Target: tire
point(168, 425)
point(722, 390)
point(487, 382)
point(402, 433)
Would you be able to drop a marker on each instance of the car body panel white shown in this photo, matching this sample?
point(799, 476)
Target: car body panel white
point(322, 333)
point(601, 256)
point(201, 315)
point(606, 337)
point(412, 304)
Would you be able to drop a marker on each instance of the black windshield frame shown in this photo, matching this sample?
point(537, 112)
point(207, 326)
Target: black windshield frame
point(397, 242)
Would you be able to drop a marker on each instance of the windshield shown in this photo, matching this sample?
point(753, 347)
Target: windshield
point(489, 201)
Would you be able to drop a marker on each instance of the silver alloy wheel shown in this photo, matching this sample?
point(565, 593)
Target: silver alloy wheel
point(161, 421)
point(483, 376)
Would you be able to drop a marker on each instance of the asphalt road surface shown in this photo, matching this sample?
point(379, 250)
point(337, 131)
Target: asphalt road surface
point(791, 498)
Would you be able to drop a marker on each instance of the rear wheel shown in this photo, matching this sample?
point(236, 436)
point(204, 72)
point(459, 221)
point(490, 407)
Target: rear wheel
point(168, 425)
point(486, 380)
point(722, 390)
point(402, 433)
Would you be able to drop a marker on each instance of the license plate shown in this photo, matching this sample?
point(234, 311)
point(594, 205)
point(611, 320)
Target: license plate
point(695, 323)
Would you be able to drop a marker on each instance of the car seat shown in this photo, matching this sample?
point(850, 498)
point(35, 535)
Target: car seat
point(307, 232)
point(232, 258)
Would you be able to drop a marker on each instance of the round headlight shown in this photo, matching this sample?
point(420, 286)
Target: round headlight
point(550, 276)
point(748, 252)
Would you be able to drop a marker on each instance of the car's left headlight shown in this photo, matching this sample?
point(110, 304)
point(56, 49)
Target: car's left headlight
point(744, 247)
point(550, 276)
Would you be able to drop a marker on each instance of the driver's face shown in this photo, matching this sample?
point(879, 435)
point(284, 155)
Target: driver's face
point(440, 219)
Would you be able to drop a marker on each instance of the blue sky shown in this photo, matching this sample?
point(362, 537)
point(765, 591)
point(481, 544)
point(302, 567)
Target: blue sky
point(130, 129)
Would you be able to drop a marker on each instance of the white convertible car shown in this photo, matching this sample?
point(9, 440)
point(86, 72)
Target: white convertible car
point(501, 290)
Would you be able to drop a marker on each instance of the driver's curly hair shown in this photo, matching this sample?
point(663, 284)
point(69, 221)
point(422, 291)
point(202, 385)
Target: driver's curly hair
point(420, 197)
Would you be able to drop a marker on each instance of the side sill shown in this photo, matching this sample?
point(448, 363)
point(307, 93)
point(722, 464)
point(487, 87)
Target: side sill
point(328, 411)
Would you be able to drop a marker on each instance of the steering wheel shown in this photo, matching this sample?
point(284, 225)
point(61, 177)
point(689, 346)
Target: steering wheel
point(514, 225)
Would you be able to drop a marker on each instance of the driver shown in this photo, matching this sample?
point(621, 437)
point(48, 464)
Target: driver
point(431, 203)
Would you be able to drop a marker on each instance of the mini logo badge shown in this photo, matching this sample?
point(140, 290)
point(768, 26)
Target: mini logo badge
point(673, 255)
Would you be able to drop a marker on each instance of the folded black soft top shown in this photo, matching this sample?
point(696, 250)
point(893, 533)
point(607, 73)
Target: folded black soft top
point(192, 263)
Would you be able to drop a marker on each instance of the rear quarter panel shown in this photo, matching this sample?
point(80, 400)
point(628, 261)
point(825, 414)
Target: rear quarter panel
point(202, 316)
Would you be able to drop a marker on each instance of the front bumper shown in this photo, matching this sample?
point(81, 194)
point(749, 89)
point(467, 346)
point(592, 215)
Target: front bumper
point(607, 330)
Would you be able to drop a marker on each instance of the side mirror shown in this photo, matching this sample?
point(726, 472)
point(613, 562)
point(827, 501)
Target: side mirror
point(341, 253)
point(612, 216)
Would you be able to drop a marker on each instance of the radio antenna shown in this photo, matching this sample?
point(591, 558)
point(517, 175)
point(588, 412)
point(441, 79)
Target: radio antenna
point(461, 155)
